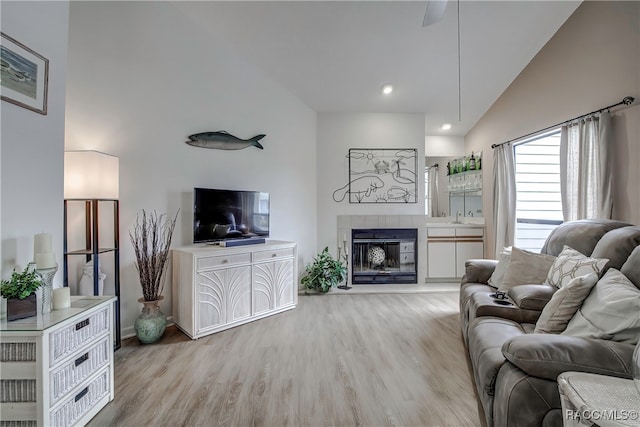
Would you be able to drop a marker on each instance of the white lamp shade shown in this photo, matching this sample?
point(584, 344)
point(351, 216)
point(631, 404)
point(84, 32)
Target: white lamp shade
point(90, 175)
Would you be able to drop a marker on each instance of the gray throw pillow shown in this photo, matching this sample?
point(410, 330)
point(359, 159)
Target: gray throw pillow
point(526, 268)
point(564, 303)
point(571, 264)
point(610, 312)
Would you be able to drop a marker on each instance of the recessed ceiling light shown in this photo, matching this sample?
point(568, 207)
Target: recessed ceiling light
point(446, 126)
point(387, 89)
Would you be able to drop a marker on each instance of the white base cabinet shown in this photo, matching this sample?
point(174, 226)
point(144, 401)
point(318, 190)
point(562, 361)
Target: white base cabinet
point(216, 288)
point(449, 247)
point(57, 368)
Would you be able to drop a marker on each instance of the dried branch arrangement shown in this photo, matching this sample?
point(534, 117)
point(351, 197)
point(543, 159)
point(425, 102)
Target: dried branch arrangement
point(151, 239)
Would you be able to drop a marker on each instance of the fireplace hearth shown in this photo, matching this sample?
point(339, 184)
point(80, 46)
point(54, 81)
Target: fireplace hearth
point(384, 256)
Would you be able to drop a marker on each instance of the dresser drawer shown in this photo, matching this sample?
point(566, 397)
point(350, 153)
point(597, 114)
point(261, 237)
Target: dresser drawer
point(222, 261)
point(441, 232)
point(469, 232)
point(69, 339)
point(272, 254)
point(76, 405)
point(78, 368)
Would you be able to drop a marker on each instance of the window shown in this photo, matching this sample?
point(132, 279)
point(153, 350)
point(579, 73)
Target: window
point(427, 195)
point(538, 198)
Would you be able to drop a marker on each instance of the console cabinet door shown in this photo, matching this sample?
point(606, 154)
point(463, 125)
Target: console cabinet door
point(273, 285)
point(224, 296)
point(441, 259)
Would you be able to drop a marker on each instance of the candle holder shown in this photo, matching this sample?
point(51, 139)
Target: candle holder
point(46, 274)
point(343, 254)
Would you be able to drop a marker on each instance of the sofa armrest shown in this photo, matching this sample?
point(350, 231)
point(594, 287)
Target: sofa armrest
point(532, 297)
point(478, 270)
point(547, 355)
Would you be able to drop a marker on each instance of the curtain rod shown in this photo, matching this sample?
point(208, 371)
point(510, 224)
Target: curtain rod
point(628, 100)
point(435, 165)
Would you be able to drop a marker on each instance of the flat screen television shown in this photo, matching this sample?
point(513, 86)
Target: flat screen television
point(229, 214)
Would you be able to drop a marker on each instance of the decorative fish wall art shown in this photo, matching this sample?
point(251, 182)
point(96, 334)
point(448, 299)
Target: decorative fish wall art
point(223, 140)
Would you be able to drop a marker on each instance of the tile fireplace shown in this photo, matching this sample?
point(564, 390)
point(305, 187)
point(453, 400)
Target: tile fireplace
point(384, 255)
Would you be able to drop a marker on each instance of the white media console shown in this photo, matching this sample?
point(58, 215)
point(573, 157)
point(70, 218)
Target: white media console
point(217, 288)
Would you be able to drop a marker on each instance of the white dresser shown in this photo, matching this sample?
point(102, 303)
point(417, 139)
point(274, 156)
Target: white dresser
point(57, 368)
point(216, 288)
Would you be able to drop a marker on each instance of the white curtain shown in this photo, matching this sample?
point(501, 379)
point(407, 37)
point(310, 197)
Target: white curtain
point(585, 168)
point(433, 190)
point(504, 197)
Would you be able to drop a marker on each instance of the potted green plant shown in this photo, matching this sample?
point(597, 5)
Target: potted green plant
point(324, 272)
point(151, 239)
point(19, 291)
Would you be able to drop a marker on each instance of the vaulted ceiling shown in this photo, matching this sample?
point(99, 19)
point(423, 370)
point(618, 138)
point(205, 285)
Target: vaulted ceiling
point(336, 55)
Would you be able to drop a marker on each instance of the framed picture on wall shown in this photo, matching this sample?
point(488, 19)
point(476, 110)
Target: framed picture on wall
point(383, 175)
point(24, 75)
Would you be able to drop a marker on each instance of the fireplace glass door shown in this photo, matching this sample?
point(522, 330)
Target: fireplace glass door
point(383, 256)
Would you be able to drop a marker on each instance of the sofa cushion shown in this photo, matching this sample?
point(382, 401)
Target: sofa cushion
point(571, 264)
point(486, 338)
point(498, 274)
point(549, 355)
point(610, 312)
point(532, 297)
point(478, 270)
point(526, 267)
point(564, 303)
point(582, 235)
point(631, 267)
point(617, 245)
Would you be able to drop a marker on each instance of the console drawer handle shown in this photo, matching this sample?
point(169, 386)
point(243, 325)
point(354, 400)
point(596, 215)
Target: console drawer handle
point(82, 393)
point(80, 360)
point(82, 324)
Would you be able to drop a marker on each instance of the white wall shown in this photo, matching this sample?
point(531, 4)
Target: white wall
point(443, 146)
point(32, 144)
point(141, 79)
point(591, 62)
point(337, 133)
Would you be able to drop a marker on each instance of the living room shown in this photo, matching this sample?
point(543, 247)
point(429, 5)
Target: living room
point(137, 89)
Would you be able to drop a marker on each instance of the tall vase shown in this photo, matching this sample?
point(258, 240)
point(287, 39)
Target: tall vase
point(46, 274)
point(151, 324)
point(636, 367)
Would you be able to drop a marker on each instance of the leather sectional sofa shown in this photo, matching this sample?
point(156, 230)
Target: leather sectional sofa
point(515, 369)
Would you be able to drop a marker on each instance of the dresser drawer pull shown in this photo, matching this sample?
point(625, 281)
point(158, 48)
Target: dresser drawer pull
point(82, 324)
point(80, 360)
point(273, 255)
point(224, 261)
point(82, 393)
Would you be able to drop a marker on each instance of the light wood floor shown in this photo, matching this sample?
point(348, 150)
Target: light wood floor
point(361, 360)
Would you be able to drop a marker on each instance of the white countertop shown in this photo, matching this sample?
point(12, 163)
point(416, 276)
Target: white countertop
point(449, 222)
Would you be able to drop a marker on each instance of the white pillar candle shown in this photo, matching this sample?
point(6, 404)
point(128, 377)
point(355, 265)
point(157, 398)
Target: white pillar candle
point(42, 243)
point(45, 260)
point(61, 298)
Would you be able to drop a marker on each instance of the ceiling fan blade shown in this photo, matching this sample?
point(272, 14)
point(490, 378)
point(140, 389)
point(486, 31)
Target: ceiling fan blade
point(434, 12)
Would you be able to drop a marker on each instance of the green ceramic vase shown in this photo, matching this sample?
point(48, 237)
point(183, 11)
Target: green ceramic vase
point(151, 324)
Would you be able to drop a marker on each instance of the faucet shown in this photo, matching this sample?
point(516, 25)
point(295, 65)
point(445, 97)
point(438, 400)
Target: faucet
point(458, 214)
point(470, 214)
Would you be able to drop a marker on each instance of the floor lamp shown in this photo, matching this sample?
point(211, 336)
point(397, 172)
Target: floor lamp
point(92, 178)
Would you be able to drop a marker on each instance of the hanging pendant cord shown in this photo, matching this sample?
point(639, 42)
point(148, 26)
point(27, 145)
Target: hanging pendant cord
point(628, 100)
